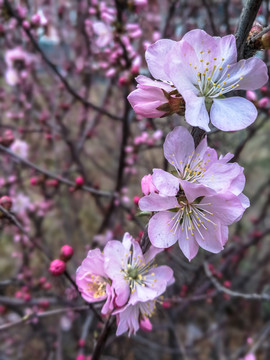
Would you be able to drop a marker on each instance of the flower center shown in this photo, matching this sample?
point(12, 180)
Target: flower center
point(194, 168)
point(213, 77)
point(191, 218)
point(137, 273)
point(96, 286)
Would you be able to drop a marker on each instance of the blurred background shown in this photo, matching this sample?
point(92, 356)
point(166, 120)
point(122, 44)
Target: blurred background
point(73, 153)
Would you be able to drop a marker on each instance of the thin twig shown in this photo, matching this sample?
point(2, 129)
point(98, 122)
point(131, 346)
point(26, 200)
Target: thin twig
point(54, 176)
point(223, 289)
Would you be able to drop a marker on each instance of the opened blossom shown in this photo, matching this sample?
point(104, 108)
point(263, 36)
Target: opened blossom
point(198, 168)
point(93, 282)
point(203, 69)
point(196, 203)
point(135, 276)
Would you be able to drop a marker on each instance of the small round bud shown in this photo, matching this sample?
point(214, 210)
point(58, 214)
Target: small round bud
point(79, 181)
point(52, 182)
point(57, 267)
point(66, 253)
point(136, 200)
point(6, 202)
point(81, 343)
point(80, 357)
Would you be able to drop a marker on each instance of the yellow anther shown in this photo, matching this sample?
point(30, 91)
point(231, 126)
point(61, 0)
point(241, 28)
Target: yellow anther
point(224, 83)
point(198, 74)
point(190, 64)
point(203, 74)
point(208, 78)
point(215, 58)
point(207, 63)
point(201, 60)
point(195, 67)
point(209, 51)
point(228, 65)
point(206, 69)
point(220, 68)
point(241, 77)
point(218, 85)
point(222, 59)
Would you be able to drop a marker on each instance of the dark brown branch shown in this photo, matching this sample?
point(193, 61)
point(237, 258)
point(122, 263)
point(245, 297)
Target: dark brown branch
point(248, 15)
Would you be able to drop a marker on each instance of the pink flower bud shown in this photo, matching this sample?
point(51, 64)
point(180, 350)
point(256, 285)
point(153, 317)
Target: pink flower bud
point(227, 284)
point(136, 200)
point(147, 186)
point(66, 253)
point(79, 181)
point(52, 182)
point(57, 267)
point(26, 24)
point(81, 342)
point(166, 304)
point(263, 102)
point(80, 357)
point(145, 325)
point(47, 286)
point(6, 202)
point(251, 95)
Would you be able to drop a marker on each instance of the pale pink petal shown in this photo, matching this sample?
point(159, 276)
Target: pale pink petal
point(178, 146)
point(189, 246)
point(159, 229)
point(253, 72)
point(196, 113)
point(155, 57)
point(155, 202)
point(151, 253)
point(225, 207)
point(194, 191)
point(182, 67)
point(230, 114)
point(166, 183)
point(209, 237)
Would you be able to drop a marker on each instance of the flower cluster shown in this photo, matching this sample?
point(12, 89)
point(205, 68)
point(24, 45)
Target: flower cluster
point(199, 69)
point(127, 279)
point(196, 202)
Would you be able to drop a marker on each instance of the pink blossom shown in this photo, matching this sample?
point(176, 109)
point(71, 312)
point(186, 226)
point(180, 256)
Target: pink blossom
point(20, 148)
point(93, 282)
point(134, 275)
point(17, 61)
point(198, 168)
point(204, 68)
point(250, 357)
point(21, 203)
point(104, 33)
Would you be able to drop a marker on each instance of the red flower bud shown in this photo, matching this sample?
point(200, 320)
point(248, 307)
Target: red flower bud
point(57, 267)
point(6, 202)
point(66, 253)
point(79, 181)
